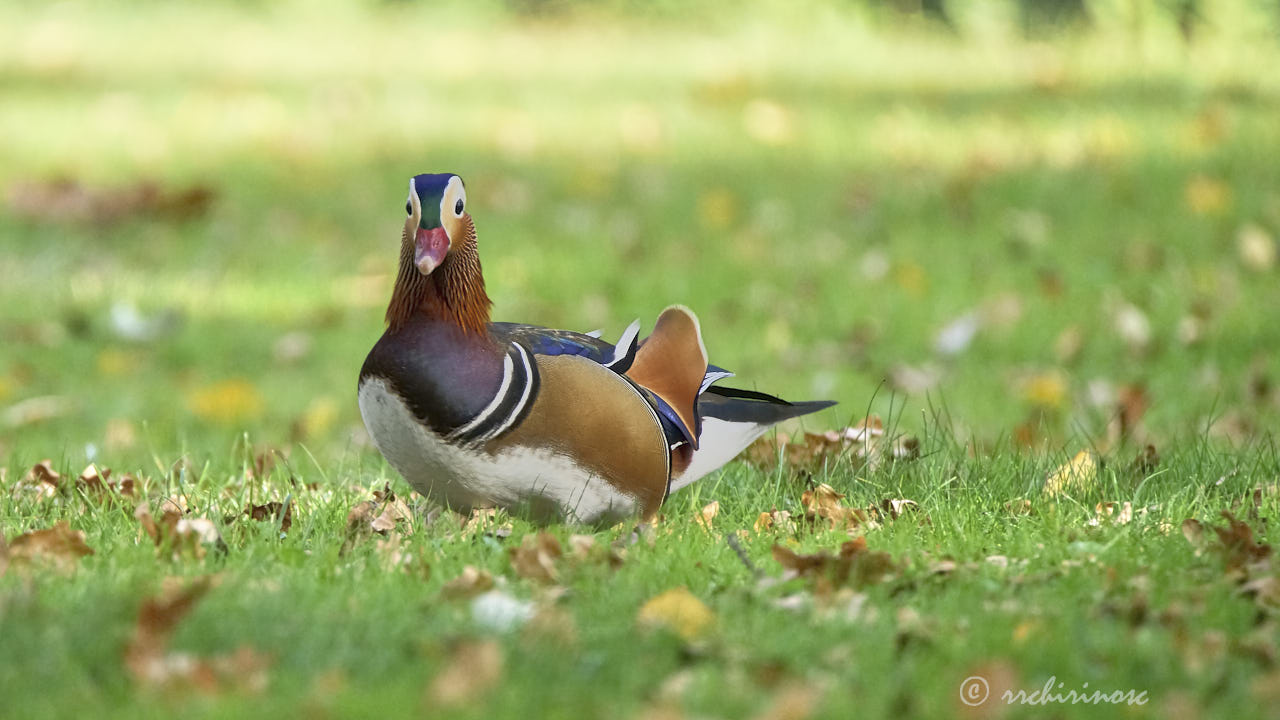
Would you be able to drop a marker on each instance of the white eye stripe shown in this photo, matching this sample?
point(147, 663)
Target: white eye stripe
point(455, 192)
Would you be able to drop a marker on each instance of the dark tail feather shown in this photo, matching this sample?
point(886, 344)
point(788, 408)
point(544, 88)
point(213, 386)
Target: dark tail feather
point(738, 405)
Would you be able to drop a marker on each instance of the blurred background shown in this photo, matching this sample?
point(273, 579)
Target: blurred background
point(1002, 220)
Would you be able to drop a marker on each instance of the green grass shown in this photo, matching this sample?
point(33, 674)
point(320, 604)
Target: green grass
point(827, 197)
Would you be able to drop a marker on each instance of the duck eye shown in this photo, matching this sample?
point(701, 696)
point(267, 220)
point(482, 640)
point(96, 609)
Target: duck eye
point(457, 207)
point(408, 208)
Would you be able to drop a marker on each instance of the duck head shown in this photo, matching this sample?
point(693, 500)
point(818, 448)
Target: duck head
point(437, 217)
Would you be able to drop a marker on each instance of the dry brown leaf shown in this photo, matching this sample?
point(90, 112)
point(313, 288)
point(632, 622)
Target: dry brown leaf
point(775, 520)
point(894, 508)
point(474, 668)
point(551, 624)
point(585, 549)
point(1264, 590)
point(1193, 531)
point(1080, 474)
point(707, 514)
point(854, 564)
point(536, 557)
point(485, 520)
point(153, 665)
point(679, 611)
point(865, 444)
point(272, 511)
point(581, 546)
point(98, 483)
point(469, 583)
point(792, 701)
point(1114, 513)
point(394, 512)
point(1237, 546)
point(65, 200)
point(824, 503)
point(157, 617)
point(41, 481)
point(59, 546)
point(175, 533)
point(1020, 506)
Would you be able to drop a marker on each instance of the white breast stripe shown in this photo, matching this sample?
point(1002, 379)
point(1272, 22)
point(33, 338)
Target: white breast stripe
point(508, 369)
point(524, 396)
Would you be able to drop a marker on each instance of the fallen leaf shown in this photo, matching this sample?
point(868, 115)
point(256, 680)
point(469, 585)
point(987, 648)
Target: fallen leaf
point(551, 624)
point(273, 511)
point(1237, 546)
point(824, 503)
point(152, 664)
point(581, 546)
point(1113, 513)
point(894, 508)
point(473, 670)
point(707, 514)
point(768, 122)
point(316, 420)
point(41, 481)
point(1193, 531)
point(1256, 247)
point(157, 618)
point(1080, 474)
point(99, 483)
point(36, 410)
point(1264, 590)
point(1067, 347)
point(1133, 327)
point(536, 557)
point(65, 200)
point(1206, 195)
point(175, 533)
point(776, 520)
point(498, 611)
point(1046, 390)
point(956, 336)
point(717, 208)
point(865, 444)
point(226, 402)
point(469, 583)
point(854, 564)
point(394, 513)
point(793, 701)
point(679, 611)
point(59, 546)
point(1020, 506)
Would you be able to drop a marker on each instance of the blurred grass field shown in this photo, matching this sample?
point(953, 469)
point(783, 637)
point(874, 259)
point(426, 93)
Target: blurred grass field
point(990, 241)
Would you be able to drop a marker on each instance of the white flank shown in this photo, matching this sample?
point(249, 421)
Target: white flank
point(508, 370)
point(471, 478)
point(721, 441)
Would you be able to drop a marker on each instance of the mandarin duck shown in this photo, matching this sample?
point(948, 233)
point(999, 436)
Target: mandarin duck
point(479, 414)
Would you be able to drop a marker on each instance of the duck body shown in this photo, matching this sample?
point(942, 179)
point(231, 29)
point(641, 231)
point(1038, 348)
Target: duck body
point(565, 425)
point(564, 436)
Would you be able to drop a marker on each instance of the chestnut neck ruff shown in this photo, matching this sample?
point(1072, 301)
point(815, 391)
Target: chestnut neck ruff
point(453, 292)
